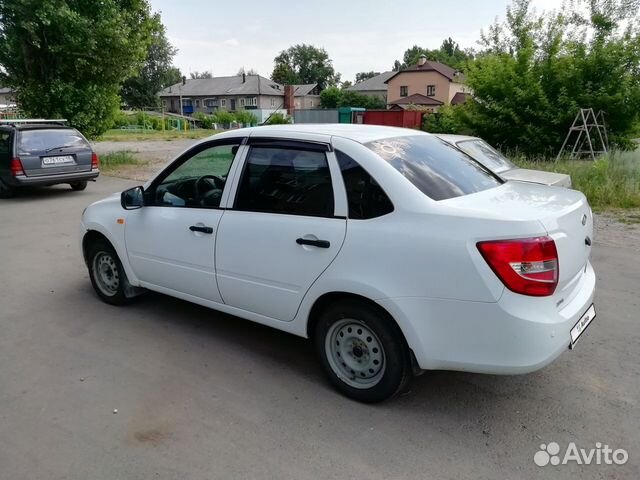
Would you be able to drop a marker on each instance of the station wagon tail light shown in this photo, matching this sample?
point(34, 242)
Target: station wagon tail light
point(527, 265)
point(16, 167)
point(94, 160)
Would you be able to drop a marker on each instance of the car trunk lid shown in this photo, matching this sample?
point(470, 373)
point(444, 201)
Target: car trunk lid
point(537, 176)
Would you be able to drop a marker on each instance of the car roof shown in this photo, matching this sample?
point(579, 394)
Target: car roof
point(41, 126)
point(358, 133)
point(450, 138)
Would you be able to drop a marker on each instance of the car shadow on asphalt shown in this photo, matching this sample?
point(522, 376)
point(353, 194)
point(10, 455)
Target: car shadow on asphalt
point(455, 392)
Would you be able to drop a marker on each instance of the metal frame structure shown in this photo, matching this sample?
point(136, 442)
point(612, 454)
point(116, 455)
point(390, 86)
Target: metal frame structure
point(585, 122)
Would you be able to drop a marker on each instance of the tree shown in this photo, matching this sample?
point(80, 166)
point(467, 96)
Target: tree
point(346, 84)
point(157, 72)
point(449, 53)
point(197, 75)
point(302, 64)
point(537, 70)
point(242, 71)
point(333, 97)
point(68, 59)
point(330, 97)
point(362, 76)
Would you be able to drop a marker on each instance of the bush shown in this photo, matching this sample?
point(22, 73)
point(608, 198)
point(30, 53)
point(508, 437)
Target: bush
point(223, 117)
point(246, 118)
point(206, 121)
point(278, 119)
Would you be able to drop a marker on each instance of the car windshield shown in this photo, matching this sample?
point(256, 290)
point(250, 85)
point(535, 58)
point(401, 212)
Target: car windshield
point(486, 154)
point(438, 169)
point(41, 140)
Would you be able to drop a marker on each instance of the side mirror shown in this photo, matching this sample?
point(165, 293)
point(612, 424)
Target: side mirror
point(132, 199)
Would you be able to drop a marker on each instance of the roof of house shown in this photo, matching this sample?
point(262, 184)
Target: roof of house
point(4, 90)
point(303, 90)
point(417, 99)
point(431, 66)
point(459, 97)
point(253, 85)
point(377, 83)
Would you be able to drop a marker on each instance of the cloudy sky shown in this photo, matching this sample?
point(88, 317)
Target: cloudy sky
point(359, 35)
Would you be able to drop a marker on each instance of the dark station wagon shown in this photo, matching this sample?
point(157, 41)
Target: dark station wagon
point(43, 153)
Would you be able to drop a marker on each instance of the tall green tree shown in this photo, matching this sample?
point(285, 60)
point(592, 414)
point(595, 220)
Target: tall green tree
point(362, 76)
point(448, 53)
point(68, 58)
point(156, 73)
point(303, 64)
point(537, 70)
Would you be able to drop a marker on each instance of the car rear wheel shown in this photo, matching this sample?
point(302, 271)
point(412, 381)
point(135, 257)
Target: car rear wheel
point(107, 275)
point(78, 186)
point(6, 191)
point(362, 351)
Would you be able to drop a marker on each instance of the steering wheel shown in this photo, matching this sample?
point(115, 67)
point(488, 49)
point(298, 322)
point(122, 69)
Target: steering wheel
point(207, 183)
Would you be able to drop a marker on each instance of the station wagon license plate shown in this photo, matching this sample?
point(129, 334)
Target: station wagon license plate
point(58, 160)
point(579, 328)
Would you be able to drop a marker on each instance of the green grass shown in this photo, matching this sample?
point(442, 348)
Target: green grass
point(612, 181)
point(113, 160)
point(117, 135)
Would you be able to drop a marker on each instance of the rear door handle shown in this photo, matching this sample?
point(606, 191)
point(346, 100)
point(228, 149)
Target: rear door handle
point(196, 228)
point(313, 243)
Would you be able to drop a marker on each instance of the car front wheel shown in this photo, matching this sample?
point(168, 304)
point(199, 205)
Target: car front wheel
point(107, 275)
point(362, 351)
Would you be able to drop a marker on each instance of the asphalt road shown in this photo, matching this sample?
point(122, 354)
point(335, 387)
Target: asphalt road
point(201, 395)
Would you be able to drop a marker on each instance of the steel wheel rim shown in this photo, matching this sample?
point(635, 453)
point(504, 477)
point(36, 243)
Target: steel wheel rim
point(355, 353)
point(106, 274)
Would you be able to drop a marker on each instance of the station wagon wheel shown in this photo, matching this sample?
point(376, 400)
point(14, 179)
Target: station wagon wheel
point(78, 186)
point(6, 191)
point(363, 351)
point(106, 273)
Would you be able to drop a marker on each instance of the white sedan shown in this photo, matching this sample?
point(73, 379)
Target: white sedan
point(484, 153)
point(391, 250)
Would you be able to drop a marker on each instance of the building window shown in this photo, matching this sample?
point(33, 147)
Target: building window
point(186, 102)
point(404, 91)
point(431, 90)
point(164, 104)
point(242, 102)
point(311, 103)
point(211, 102)
point(197, 103)
point(273, 102)
point(223, 102)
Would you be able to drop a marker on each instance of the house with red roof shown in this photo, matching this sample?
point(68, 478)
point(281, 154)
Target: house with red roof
point(427, 85)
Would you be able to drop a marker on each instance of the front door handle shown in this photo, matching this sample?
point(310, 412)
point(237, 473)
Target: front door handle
point(196, 228)
point(313, 243)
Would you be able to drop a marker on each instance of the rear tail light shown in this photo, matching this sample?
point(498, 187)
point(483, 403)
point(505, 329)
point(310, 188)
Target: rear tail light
point(528, 266)
point(16, 167)
point(94, 160)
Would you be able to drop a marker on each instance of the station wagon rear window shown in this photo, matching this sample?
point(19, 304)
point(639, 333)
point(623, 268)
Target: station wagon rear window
point(43, 140)
point(437, 169)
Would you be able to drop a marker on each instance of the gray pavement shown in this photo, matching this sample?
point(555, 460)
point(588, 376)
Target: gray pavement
point(202, 395)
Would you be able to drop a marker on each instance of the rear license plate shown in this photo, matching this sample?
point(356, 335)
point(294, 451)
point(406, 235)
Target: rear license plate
point(57, 160)
point(579, 328)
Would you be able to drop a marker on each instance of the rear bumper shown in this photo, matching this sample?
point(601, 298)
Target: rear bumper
point(515, 335)
point(23, 180)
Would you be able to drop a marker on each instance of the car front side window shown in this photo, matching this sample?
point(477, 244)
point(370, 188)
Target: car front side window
point(286, 180)
point(199, 181)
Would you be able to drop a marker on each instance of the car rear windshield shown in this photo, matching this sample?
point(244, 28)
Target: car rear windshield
point(43, 140)
point(486, 154)
point(439, 170)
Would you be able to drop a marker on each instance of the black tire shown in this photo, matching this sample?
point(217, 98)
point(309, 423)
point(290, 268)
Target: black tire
point(78, 186)
point(395, 355)
point(102, 251)
point(6, 191)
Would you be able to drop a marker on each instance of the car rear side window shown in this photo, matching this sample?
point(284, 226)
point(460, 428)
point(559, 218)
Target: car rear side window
point(437, 169)
point(43, 140)
point(365, 197)
point(286, 180)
